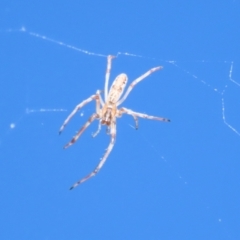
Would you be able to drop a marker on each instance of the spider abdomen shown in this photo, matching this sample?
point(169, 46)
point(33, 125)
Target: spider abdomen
point(117, 88)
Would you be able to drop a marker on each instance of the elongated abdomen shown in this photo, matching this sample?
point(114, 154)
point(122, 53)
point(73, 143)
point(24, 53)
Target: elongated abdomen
point(117, 88)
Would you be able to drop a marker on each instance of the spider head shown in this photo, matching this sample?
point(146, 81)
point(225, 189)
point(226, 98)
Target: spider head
point(108, 114)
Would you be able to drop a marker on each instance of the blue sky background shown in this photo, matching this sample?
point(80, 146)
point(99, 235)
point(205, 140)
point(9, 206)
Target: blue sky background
point(164, 181)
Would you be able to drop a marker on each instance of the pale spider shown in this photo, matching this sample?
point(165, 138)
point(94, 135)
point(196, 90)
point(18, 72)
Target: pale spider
point(107, 112)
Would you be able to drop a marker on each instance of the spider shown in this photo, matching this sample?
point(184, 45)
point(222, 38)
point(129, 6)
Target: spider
point(107, 111)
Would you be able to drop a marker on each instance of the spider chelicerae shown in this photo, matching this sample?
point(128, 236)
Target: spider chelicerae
point(107, 111)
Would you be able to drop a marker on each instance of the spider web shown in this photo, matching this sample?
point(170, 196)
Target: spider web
point(201, 97)
point(194, 76)
point(221, 91)
point(172, 180)
point(216, 91)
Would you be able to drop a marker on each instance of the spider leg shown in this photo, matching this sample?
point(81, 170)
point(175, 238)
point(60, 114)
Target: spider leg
point(98, 130)
point(139, 79)
point(107, 76)
point(108, 130)
point(103, 159)
point(79, 106)
point(123, 110)
point(136, 121)
point(142, 115)
point(100, 98)
point(98, 102)
point(82, 129)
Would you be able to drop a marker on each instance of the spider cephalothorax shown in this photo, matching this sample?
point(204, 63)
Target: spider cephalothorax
point(108, 111)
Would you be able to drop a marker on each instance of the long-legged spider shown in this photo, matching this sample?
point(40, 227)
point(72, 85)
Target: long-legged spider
point(107, 111)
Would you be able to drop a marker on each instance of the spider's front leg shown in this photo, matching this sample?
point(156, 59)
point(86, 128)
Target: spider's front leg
point(104, 158)
point(82, 129)
point(96, 97)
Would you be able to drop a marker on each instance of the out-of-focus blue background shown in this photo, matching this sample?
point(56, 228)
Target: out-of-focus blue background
point(178, 180)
